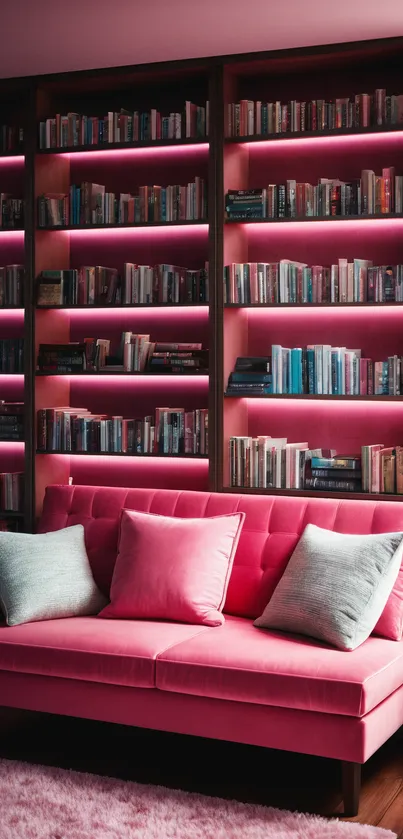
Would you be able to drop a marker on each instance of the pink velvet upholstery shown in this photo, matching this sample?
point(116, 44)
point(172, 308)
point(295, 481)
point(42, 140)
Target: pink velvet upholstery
point(111, 652)
point(173, 569)
point(246, 664)
point(230, 682)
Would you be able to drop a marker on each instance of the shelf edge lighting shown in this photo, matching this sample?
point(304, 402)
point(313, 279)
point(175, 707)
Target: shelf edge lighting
point(376, 137)
point(191, 149)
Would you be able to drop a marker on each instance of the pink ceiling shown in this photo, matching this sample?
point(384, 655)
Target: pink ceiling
point(43, 36)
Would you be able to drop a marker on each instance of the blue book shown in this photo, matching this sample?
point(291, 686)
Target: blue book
point(310, 360)
point(296, 370)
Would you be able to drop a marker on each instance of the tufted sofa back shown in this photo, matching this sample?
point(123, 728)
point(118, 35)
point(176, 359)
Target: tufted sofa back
point(272, 528)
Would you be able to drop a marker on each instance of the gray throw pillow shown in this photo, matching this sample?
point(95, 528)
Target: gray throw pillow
point(335, 586)
point(45, 576)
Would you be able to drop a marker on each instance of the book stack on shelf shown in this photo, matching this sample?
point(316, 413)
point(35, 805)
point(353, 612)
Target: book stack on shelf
point(90, 204)
point(11, 212)
point(11, 421)
point(11, 139)
point(11, 491)
point(363, 110)
point(138, 285)
point(12, 285)
point(123, 127)
point(251, 377)
point(382, 469)
point(136, 354)
point(368, 195)
point(292, 282)
point(172, 431)
point(11, 355)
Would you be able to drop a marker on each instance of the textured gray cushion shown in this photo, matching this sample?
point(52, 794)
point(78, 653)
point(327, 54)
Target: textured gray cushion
point(335, 586)
point(46, 575)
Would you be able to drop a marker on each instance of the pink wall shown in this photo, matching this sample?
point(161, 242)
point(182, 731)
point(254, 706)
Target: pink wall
point(44, 36)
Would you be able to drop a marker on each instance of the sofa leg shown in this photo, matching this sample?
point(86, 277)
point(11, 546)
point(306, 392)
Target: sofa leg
point(351, 782)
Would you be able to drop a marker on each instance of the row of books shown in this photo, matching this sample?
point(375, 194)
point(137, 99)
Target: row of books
point(138, 284)
point(291, 282)
point(382, 469)
point(337, 371)
point(11, 491)
point(12, 285)
point(11, 138)
point(123, 127)
point(91, 204)
point(249, 117)
point(172, 431)
point(11, 355)
point(11, 212)
point(11, 421)
point(318, 370)
point(369, 195)
point(136, 354)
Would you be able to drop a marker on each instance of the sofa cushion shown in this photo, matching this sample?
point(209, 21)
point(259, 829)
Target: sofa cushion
point(173, 569)
point(246, 665)
point(335, 586)
point(117, 653)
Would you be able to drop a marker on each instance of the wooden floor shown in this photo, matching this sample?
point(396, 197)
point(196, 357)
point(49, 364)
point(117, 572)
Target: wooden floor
point(246, 773)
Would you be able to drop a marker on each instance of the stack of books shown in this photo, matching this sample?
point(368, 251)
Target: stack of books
point(11, 491)
point(62, 358)
point(90, 204)
point(296, 282)
point(369, 195)
point(324, 370)
point(12, 285)
point(11, 138)
point(248, 117)
point(340, 473)
point(11, 421)
point(123, 127)
point(139, 285)
point(173, 431)
point(382, 469)
point(189, 358)
point(12, 355)
point(251, 377)
point(11, 212)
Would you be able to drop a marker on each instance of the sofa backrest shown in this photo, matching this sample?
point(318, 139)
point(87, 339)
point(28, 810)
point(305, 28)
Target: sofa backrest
point(272, 528)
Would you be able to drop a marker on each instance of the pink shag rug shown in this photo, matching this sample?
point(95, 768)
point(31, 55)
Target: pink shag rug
point(39, 802)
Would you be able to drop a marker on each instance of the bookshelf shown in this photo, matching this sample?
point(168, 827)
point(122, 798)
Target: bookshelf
point(226, 329)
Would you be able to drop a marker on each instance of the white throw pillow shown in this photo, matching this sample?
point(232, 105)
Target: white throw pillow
point(335, 586)
point(45, 576)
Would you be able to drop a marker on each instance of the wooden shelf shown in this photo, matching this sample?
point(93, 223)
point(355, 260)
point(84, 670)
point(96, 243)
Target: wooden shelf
point(312, 219)
point(138, 224)
point(124, 454)
point(308, 135)
point(313, 493)
point(387, 304)
point(147, 144)
point(11, 514)
point(125, 306)
point(103, 373)
point(12, 154)
point(316, 396)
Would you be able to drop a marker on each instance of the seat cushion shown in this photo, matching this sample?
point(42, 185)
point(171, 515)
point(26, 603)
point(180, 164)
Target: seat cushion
point(114, 652)
point(247, 664)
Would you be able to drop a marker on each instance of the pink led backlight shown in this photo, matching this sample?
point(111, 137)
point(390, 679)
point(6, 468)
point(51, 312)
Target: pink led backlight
point(318, 226)
point(14, 447)
point(177, 150)
point(11, 236)
point(164, 473)
point(143, 381)
point(339, 141)
point(12, 160)
point(194, 313)
point(176, 231)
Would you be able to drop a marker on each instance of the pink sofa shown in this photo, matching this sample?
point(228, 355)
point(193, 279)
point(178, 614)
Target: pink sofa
point(233, 682)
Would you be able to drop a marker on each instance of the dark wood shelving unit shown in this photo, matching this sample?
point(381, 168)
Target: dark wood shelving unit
point(281, 75)
point(314, 493)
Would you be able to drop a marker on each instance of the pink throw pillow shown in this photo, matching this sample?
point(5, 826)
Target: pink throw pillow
point(173, 569)
point(390, 624)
